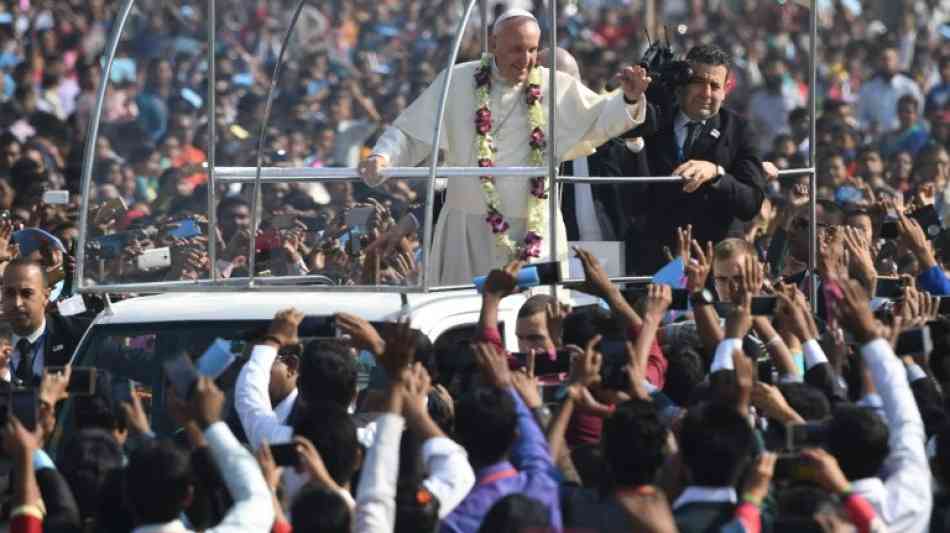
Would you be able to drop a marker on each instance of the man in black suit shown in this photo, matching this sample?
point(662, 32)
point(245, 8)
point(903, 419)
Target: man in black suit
point(712, 148)
point(40, 339)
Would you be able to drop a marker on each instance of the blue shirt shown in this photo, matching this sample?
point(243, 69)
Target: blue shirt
point(535, 477)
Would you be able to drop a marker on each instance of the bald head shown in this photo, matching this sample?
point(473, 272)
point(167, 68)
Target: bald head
point(565, 62)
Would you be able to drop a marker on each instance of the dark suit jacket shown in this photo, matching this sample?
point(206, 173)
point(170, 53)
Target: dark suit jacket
point(715, 211)
point(63, 334)
point(607, 198)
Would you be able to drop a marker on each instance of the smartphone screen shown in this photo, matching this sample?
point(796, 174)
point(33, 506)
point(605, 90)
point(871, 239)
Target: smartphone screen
point(216, 359)
point(317, 326)
point(182, 374)
point(680, 297)
point(889, 229)
point(358, 216)
point(186, 229)
point(122, 391)
point(285, 454)
point(914, 341)
point(544, 365)
point(24, 406)
point(889, 288)
point(763, 305)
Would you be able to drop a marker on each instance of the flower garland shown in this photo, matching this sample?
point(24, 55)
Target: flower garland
point(530, 246)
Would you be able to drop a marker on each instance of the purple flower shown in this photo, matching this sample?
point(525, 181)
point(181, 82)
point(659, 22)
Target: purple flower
point(486, 163)
point(483, 77)
point(533, 94)
point(532, 246)
point(537, 139)
point(497, 222)
point(483, 121)
point(538, 187)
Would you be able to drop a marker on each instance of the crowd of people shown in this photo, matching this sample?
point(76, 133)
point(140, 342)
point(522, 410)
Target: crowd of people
point(742, 407)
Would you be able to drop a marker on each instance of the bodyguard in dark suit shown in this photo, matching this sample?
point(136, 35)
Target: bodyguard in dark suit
point(710, 147)
point(584, 204)
point(40, 339)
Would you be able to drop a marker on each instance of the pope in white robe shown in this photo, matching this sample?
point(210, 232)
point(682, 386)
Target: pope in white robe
point(463, 243)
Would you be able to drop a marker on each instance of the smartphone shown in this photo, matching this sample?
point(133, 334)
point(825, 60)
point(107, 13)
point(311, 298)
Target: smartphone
point(185, 229)
point(794, 467)
point(182, 374)
point(928, 219)
point(155, 258)
point(810, 434)
point(56, 197)
point(111, 210)
point(283, 221)
point(680, 297)
point(358, 216)
point(82, 380)
point(763, 305)
point(889, 229)
point(216, 359)
point(24, 406)
point(239, 132)
point(914, 341)
point(192, 98)
point(111, 246)
point(285, 454)
point(122, 391)
point(318, 223)
point(317, 326)
point(268, 240)
point(544, 365)
point(888, 287)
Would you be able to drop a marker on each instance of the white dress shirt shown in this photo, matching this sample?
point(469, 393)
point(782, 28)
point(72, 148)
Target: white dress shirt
point(38, 341)
point(588, 226)
point(252, 511)
point(695, 494)
point(902, 496)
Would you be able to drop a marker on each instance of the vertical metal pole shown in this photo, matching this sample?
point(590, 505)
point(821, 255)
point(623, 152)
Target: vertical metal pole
point(436, 138)
point(92, 135)
point(553, 196)
point(813, 182)
point(212, 142)
point(268, 105)
point(483, 12)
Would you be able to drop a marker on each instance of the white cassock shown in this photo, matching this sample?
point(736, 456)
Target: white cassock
point(464, 246)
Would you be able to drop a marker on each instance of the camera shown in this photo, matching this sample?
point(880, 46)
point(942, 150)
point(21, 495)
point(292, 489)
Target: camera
point(663, 66)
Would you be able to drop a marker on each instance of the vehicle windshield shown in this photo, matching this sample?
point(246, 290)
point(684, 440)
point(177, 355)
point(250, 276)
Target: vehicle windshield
point(136, 352)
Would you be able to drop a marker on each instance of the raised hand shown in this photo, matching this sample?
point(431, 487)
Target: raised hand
point(555, 314)
point(596, 281)
point(400, 350)
point(501, 283)
point(659, 298)
point(698, 267)
point(635, 82)
point(585, 367)
point(283, 329)
point(493, 364)
point(362, 334)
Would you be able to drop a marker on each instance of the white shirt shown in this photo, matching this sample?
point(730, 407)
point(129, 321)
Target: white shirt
point(695, 493)
point(252, 511)
point(588, 226)
point(38, 341)
point(450, 476)
point(902, 496)
point(262, 422)
point(877, 101)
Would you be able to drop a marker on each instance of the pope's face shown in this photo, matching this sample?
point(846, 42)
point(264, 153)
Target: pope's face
point(515, 45)
point(702, 97)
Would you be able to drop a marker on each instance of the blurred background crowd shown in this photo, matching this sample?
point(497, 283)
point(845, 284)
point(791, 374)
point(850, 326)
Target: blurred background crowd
point(352, 66)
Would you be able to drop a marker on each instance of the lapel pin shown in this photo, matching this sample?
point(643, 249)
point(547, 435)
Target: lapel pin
point(714, 133)
point(57, 348)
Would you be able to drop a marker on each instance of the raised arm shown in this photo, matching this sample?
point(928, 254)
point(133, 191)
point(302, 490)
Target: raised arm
point(251, 396)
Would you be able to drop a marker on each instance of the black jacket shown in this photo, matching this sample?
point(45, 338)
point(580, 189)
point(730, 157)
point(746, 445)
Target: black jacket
point(714, 211)
point(63, 334)
point(607, 198)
